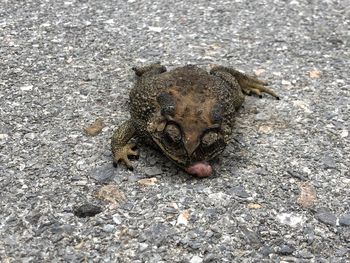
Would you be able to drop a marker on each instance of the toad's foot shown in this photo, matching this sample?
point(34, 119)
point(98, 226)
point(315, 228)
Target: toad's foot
point(251, 85)
point(121, 149)
point(123, 154)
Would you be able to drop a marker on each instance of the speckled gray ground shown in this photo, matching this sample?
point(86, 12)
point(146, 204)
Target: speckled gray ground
point(64, 64)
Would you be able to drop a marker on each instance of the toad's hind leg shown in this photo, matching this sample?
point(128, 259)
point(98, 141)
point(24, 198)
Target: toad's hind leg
point(248, 84)
point(121, 149)
point(238, 96)
point(153, 69)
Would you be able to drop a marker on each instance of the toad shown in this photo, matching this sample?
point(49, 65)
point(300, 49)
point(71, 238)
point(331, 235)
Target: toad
point(187, 113)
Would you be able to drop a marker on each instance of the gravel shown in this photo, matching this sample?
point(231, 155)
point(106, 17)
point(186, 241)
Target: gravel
point(65, 64)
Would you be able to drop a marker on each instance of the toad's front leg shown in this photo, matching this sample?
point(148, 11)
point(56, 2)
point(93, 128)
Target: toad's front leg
point(121, 149)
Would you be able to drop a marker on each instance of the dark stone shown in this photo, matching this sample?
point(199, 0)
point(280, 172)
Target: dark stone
point(212, 213)
point(305, 254)
point(224, 247)
point(34, 219)
point(195, 245)
point(73, 257)
point(157, 234)
point(266, 251)
point(210, 258)
point(84, 92)
point(345, 234)
point(326, 217)
point(309, 235)
point(328, 162)
point(240, 192)
point(251, 236)
point(87, 210)
point(286, 250)
point(261, 171)
point(103, 174)
point(170, 210)
point(297, 175)
point(59, 229)
point(341, 252)
point(127, 206)
point(152, 171)
point(344, 220)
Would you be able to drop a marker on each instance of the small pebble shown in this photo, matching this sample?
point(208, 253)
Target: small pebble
point(286, 250)
point(196, 259)
point(108, 228)
point(329, 162)
point(327, 218)
point(340, 252)
point(305, 254)
point(210, 258)
point(240, 192)
point(143, 247)
point(152, 171)
point(266, 251)
point(262, 116)
point(117, 219)
point(344, 220)
point(87, 210)
point(103, 174)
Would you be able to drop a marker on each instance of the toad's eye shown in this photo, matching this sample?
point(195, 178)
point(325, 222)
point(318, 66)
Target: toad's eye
point(212, 143)
point(172, 134)
point(210, 138)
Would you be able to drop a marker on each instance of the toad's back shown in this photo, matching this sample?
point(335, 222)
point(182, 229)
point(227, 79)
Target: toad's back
point(193, 88)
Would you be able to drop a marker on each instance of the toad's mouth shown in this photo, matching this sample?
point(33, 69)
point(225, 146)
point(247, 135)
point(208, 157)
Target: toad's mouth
point(200, 169)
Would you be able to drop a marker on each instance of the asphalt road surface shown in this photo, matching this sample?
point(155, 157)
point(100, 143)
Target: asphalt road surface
point(280, 192)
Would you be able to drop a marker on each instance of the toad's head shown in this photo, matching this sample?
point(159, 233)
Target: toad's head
point(187, 128)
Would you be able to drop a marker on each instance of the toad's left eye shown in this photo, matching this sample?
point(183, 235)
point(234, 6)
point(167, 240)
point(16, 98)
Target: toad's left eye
point(210, 138)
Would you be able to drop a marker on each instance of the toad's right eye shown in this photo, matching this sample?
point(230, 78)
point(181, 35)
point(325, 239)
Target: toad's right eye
point(210, 138)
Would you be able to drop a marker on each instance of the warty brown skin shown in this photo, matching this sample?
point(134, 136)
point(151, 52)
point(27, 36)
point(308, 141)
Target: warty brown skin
point(187, 113)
